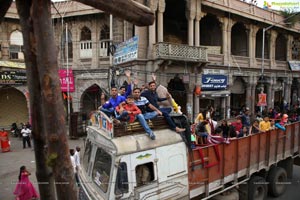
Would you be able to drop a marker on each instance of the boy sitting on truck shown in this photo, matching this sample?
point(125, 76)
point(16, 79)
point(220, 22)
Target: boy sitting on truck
point(128, 111)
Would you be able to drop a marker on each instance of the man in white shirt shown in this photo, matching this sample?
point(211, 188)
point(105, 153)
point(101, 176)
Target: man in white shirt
point(77, 163)
point(26, 136)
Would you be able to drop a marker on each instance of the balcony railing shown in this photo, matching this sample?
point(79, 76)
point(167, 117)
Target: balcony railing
point(180, 52)
point(85, 49)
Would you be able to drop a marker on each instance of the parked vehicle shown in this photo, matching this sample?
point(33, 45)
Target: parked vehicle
point(122, 162)
point(15, 131)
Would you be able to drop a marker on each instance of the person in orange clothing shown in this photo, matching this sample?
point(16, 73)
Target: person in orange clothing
point(129, 111)
point(5, 143)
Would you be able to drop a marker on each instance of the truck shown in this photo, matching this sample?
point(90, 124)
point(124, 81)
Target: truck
point(121, 162)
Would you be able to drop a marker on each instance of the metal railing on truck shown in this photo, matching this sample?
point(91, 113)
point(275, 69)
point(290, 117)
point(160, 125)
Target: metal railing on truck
point(213, 167)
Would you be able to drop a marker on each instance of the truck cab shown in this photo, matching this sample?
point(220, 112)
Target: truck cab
point(122, 162)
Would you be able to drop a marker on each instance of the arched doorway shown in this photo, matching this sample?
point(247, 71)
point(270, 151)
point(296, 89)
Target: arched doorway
point(90, 99)
point(238, 96)
point(177, 90)
point(13, 106)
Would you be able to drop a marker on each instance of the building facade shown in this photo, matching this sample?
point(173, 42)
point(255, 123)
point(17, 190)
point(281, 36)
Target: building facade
point(233, 50)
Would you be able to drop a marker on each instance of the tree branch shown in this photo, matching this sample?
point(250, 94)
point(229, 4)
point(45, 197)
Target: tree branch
point(129, 10)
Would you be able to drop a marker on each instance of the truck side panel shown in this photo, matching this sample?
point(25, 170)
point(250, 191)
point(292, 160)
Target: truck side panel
point(237, 161)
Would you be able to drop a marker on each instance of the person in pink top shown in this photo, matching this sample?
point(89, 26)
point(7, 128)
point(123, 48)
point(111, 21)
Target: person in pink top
point(24, 189)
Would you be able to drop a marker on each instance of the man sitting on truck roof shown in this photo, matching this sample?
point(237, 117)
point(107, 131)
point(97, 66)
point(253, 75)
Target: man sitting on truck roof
point(109, 107)
point(143, 103)
point(129, 111)
point(153, 98)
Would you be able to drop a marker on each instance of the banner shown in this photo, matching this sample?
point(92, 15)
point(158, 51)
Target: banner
point(126, 51)
point(262, 99)
point(13, 78)
point(66, 80)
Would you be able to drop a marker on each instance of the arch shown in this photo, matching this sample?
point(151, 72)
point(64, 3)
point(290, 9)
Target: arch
point(64, 38)
point(13, 106)
point(281, 47)
point(85, 34)
point(16, 38)
point(177, 89)
point(238, 95)
point(210, 31)
point(175, 22)
point(104, 33)
point(90, 99)
point(258, 46)
point(239, 40)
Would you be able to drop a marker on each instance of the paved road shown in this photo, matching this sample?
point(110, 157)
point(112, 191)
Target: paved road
point(11, 162)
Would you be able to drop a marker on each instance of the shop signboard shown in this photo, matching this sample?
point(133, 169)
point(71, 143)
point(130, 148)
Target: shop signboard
point(126, 51)
point(66, 80)
point(213, 82)
point(294, 65)
point(13, 77)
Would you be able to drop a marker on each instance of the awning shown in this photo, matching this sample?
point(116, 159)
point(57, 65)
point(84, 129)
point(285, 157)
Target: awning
point(217, 93)
point(11, 64)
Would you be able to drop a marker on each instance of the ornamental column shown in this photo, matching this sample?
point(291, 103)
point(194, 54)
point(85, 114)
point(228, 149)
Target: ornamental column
point(272, 48)
point(197, 23)
point(160, 22)
point(190, 13)
point(152, 4)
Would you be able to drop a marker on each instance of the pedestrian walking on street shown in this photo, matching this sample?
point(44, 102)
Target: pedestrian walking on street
point(26, 136)
point(24, 189)
point(77, 163)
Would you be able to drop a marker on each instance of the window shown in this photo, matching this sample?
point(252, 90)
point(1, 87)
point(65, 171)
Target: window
point(144, 174)
point(87, 155)
point(85, 34)
point(16, 45)
point(122, 179)
point(102, 169)
point(65, 44)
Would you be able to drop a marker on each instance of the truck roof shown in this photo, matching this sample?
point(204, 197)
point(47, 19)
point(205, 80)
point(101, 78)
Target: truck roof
point(135, 142)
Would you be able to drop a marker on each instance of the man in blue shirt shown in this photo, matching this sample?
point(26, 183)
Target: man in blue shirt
point(109, 107)
point(153, 98)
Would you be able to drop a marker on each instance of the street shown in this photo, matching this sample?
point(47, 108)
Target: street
point(11, 162)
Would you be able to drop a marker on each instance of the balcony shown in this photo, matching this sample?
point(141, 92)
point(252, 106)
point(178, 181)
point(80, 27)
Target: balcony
point(180, 52)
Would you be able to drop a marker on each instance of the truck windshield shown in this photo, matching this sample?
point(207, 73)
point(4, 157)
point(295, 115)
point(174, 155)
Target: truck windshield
point(102, 169)
point(87, 155)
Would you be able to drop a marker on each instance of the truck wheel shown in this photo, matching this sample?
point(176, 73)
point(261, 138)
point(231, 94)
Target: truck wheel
point(277, 178)
point(257, 188)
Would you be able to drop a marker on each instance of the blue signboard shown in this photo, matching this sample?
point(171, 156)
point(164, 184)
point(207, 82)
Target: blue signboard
point(214, 82)
point(126, 51)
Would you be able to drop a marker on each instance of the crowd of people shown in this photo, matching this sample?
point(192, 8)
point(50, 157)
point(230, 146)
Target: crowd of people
point(139, 103)
point(205, 130)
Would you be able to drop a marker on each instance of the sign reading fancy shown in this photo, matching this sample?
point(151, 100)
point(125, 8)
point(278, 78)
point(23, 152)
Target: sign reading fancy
point(13, 78)
point(214, 82)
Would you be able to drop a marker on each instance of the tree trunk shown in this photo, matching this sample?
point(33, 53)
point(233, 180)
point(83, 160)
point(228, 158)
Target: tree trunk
point(129, 10)
point(5, 4)
point(43, 172)
point(45, 91)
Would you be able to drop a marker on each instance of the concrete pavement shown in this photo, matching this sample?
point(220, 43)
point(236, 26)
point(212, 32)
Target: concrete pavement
point(11, 162)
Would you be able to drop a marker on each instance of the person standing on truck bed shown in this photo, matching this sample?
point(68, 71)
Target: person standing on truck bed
point(142, 103)
point(129, 111)
point(153, 98)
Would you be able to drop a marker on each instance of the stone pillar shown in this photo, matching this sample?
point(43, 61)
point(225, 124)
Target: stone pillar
point(223, 107)
point(226, 38)
point(289, 47)
point(190, 13)
point(160, 22)
point(152, 4)
point(199, 15)
point(272, 48)
point(287, 90)
point(252, 44)
point(228, 110)
point(95, 46)
point(269, 95)
point(248, 95)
